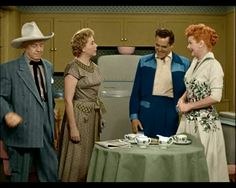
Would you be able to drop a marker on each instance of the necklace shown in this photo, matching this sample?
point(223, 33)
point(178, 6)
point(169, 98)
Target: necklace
point(89, 68)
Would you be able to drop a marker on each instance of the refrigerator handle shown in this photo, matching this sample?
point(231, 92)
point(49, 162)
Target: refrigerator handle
point(115, 93)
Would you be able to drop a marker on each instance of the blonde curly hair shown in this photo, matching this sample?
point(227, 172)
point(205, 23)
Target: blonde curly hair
point(79, 40)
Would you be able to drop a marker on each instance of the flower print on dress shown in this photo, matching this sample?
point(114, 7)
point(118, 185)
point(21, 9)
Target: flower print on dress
point(206, 117)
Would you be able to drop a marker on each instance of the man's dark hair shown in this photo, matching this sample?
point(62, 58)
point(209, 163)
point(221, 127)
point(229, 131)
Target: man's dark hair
point(163, 33)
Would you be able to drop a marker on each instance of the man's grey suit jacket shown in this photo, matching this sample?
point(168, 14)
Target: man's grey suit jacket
point(18, 93)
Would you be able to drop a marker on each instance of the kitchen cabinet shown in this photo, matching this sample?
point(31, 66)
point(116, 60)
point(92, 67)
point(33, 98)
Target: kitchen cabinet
point(121, 29)
point(128, 30)
point(59, 112)
point(178, 25)
point(140, 30)
point(64, 30)
point(58, 49)
point(108, 31)
point(1, 36)
point(60, 108)
point(9, 29)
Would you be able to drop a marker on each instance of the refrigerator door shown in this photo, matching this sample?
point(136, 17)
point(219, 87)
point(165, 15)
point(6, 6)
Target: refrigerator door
point(118, 73)
point(229, 130)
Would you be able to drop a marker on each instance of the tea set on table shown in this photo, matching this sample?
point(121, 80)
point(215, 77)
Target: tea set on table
point(164, 142)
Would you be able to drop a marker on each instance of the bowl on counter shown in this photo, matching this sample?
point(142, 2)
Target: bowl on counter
point(126, 50)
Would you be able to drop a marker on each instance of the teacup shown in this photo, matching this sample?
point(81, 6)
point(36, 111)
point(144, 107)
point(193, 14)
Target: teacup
point(164, 144)
point(130, 137)
point(142, 141)
point(180, 138)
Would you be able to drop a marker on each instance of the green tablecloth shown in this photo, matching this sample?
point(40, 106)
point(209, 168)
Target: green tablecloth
point(178, 163)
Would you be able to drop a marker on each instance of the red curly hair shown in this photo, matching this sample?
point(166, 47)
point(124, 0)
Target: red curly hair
point(202, 32)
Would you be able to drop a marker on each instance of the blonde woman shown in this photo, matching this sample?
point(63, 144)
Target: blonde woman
point(81, 123)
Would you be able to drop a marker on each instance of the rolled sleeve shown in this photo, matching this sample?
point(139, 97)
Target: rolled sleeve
point(216, 81)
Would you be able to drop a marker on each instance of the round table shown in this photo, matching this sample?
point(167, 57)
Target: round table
point(177, 163)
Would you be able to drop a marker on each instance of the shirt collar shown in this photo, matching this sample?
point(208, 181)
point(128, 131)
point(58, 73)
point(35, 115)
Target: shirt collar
point(207, 55)
point(168, 56)
point(27, 59)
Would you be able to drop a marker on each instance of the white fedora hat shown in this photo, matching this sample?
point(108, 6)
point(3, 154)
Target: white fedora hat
point(29, 31)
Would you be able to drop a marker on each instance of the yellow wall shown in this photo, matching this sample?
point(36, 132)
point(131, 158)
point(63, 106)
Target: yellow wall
point(225, 48)
point(230, 59)
point(10, 29)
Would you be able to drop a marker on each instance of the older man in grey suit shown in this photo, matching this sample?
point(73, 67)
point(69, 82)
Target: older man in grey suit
point(26, 109)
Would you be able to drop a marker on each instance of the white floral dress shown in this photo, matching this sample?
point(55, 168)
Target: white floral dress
point(206, 79)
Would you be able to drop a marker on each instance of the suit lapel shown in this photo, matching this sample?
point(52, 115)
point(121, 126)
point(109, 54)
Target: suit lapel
point(47, 74)
point(25, 74)
point(48, 85)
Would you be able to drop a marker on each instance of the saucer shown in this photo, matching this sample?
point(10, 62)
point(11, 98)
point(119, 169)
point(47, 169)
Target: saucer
point(183, 143)
point(164, 146)
point(142, 146)
point(130, 141)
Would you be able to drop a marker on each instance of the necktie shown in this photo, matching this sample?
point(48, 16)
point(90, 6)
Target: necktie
point(37, 71)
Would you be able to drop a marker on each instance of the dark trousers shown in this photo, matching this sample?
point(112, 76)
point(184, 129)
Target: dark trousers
point(44, 159)
point(160, 117)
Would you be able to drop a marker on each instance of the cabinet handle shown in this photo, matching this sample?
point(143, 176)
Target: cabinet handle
point(125, 39)
point(122, 39)
point(53, 49)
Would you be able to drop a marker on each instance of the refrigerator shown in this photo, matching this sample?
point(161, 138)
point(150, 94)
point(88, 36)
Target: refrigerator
point(229, 130)
point(118, 72)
